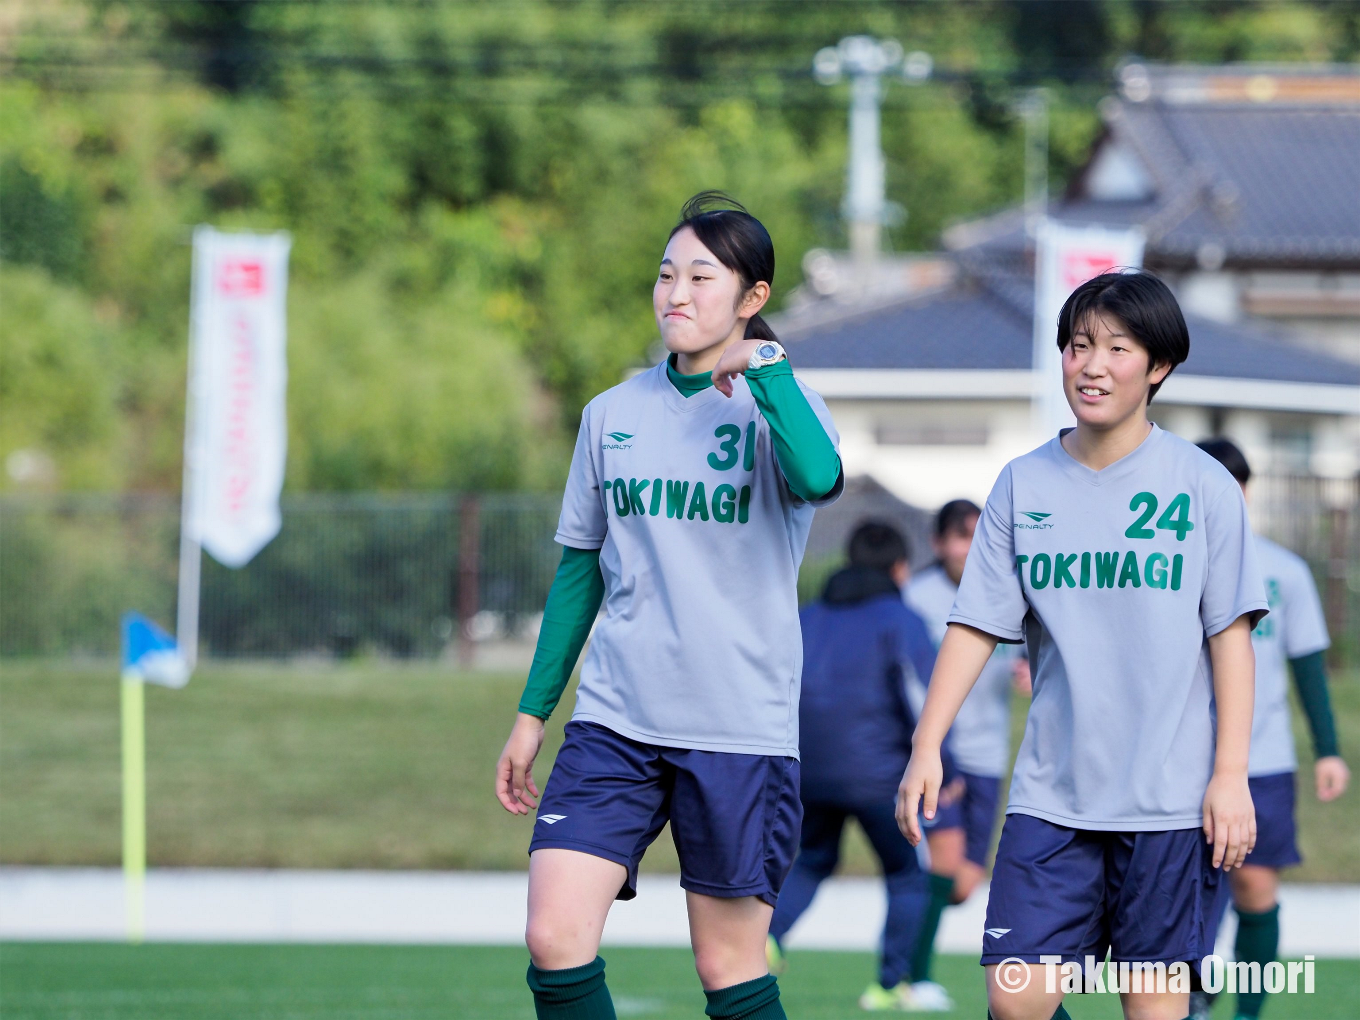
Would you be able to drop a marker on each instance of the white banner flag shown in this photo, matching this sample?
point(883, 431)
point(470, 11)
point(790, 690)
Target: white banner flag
point(237, 426)
point(1066, 257)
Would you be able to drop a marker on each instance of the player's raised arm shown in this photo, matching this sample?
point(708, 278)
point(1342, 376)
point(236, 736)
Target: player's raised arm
point(963, 653)
point(804, 451)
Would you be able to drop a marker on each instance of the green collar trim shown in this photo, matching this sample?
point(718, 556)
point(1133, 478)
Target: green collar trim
point(688, 385)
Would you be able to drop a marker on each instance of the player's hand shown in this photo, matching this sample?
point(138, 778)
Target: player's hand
point(515, 771)
point(1229, 819)
point(733, 363)
point(1332, 777)
point(920, 783)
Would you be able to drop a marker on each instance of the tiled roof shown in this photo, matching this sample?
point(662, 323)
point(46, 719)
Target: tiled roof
point(1266, 183)
point(1270, 181)
point(985, 322)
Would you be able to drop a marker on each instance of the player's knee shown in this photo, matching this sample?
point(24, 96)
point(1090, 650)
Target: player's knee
point(552, 943)
point(1254, 889)
point(967, 879)
point(720, 965)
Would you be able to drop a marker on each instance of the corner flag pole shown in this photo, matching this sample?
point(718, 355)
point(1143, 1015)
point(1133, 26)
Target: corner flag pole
point(133, 697)
point(134, 805)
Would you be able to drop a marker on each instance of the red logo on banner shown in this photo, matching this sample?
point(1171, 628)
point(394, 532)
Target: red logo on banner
point(1080, 266)
point(240, 278)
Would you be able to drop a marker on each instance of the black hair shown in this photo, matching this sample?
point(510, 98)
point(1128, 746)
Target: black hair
point(738, 239)
point(1143, 303)
point(952, 515)
point(879, 545)
point(1226, 452)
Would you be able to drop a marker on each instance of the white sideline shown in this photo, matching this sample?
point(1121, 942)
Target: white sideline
point(223, 905)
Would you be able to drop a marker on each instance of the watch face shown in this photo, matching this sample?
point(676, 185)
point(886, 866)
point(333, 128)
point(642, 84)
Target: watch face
point(767, 351)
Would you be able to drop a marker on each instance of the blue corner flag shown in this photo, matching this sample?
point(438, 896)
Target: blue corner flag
point(150, 654)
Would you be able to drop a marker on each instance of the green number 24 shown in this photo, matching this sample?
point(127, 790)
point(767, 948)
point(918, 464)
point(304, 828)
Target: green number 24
point(1175, 518)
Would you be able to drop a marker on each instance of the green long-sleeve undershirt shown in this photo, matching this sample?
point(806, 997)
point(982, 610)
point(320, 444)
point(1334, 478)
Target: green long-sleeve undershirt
point(1310, 679)
point(573, 602)
point(806, 455)
point(810, 465)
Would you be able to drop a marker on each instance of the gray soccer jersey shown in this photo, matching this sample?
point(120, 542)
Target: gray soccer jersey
point(1294, 628)
point(980, 736)
point(1115, 579)
point(700, 541)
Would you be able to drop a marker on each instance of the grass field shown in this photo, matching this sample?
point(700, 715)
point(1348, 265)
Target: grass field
point(207, 982)
point(343, 766)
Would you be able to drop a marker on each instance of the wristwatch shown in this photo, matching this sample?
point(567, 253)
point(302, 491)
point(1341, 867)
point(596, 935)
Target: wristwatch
point(766, 353)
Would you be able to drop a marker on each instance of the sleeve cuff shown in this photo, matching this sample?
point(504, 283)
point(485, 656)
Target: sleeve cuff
point(1008, 635)
point(577, 542)
point(770, 371)
point(1255, 612)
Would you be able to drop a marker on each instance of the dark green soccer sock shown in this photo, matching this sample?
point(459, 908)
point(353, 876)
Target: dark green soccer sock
point(1258, 941)
point(1062, 1014)
point(941, 891)
point(573, 993)
point(750, 1000)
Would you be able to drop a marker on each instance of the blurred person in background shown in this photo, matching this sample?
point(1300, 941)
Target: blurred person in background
point(1294, 632)
point(960, 835)
point(861, 646)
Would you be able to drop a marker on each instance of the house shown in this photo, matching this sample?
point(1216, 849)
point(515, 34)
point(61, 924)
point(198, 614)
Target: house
point(1245, 183)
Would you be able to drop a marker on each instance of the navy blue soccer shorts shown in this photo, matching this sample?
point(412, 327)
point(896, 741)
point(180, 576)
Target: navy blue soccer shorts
point(974, 813)
point(1276, 844)
point(735, 818)
point(1145, 896)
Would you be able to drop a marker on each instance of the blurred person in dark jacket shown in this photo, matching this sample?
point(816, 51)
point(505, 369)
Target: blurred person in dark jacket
point(861, 646)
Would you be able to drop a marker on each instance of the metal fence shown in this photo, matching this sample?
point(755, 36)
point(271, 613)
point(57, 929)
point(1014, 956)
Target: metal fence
point(409, 576)
point(1319, 518)
point(394, 575)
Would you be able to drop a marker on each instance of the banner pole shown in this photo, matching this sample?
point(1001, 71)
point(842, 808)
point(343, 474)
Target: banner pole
point(190, 554)
point(134, 806)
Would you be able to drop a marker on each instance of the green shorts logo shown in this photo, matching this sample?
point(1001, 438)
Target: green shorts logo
point(620, 441)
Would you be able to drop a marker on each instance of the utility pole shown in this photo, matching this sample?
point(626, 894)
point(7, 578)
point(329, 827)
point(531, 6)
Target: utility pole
point(864, 61)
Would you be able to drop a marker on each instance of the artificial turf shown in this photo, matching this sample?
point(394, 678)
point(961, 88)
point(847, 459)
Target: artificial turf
point(83, 981)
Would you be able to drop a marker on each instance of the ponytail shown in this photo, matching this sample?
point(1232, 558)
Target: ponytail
point(758, 329)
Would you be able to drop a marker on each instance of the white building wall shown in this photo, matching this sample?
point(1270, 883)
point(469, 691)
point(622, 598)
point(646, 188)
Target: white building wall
point(929, 474)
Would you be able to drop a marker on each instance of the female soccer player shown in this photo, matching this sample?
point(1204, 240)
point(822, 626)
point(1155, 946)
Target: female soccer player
point(1122, 555)
point(686, 512)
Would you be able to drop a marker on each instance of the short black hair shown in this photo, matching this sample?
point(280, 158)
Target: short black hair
point(1143, 303)
point(952, 515)
point(1227, 453)
point(878, 544)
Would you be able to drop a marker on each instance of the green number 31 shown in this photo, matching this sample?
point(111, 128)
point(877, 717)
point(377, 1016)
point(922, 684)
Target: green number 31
point(1175, 518)
point(730, 436)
